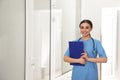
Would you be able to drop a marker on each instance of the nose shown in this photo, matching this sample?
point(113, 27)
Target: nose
point(84, 29)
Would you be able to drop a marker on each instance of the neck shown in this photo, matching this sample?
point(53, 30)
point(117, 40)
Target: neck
point(86, 37)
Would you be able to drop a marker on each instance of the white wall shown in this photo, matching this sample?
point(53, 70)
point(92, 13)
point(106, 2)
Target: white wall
point(91, 9)
point(118, 46)
point(12, 39)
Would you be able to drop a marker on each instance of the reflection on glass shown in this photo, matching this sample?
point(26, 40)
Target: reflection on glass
point(64, 23)
point(41, 21)
point(48, 59)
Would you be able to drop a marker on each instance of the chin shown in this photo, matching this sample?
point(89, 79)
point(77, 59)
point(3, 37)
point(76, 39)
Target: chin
point(85, 35)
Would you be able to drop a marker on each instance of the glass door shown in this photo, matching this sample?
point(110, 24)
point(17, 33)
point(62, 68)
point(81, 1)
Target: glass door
point(64, 27)
point(110, 18)
point(50, 24)
point(37, 39)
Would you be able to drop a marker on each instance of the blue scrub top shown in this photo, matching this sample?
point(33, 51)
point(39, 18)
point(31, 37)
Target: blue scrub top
point(89, 71)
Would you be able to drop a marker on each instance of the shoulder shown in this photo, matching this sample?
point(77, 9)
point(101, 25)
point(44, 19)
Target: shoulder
point(96, 40)
point(97, 43)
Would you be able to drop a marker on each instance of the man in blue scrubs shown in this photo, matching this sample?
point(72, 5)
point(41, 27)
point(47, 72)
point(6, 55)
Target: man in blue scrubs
point(92, 49)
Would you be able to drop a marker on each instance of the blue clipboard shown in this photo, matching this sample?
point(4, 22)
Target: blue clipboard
point(75, 49)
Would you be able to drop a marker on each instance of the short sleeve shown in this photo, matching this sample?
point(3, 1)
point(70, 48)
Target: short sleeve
point(100, 50)
point(67, 53)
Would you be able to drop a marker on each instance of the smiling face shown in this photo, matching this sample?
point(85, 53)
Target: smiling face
point(85, 29)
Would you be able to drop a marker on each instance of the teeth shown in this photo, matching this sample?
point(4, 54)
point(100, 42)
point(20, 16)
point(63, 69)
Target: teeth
point(84, 33)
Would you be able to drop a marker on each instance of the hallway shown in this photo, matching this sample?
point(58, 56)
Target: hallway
point(66, 76)
point(34, 36)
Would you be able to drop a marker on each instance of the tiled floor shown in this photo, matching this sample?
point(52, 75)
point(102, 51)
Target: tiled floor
point(66, 76)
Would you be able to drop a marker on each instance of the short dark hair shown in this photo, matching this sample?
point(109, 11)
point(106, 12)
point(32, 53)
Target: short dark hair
point(86, 21)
